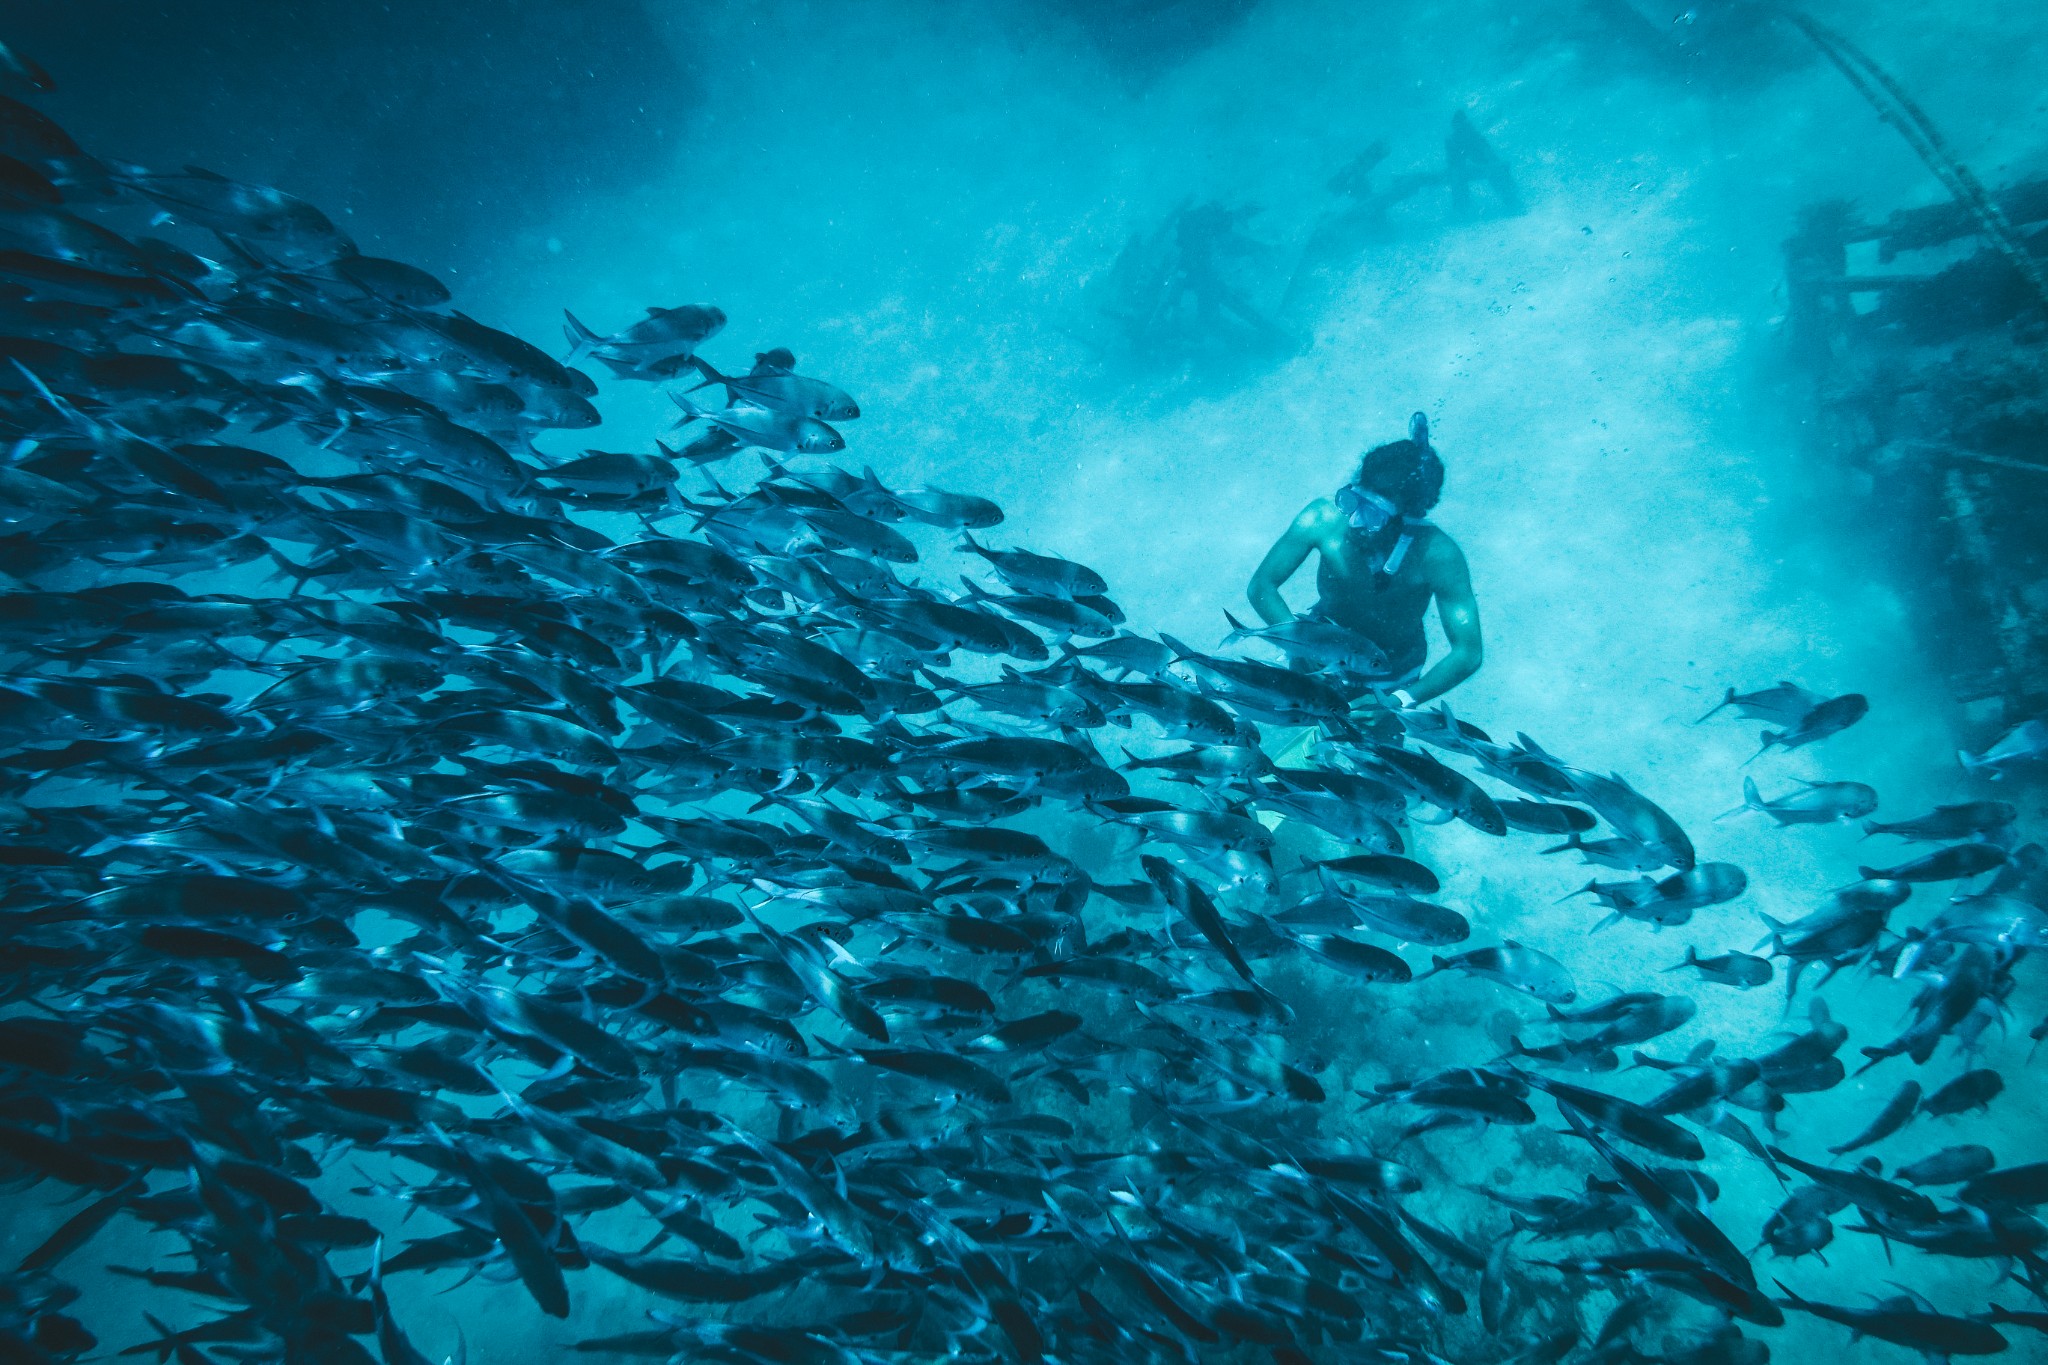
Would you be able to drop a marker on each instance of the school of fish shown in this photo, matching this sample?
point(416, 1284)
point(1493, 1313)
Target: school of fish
point(628, 877)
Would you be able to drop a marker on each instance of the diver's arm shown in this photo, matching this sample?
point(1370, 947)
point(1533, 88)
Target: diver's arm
point(1458, 609)
point(1288, 554)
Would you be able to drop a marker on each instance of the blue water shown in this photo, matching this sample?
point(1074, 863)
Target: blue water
point(925, 202)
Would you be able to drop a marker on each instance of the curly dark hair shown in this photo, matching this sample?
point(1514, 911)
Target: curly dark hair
point(1406, 473)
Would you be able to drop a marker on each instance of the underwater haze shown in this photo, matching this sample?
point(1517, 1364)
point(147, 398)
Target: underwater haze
point(468, 894)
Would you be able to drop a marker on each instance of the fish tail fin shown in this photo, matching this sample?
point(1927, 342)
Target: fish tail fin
point(1871, 827)
point(624, 369)
point(299, 574)
point(1571, 842)
point(581, 338)
point(1580, 892)
point(1869, 874)
point(1180, 651)
point(718, 490)
point(1752, 799)
point(704, 367)
point(971, 545)
point(58, 405)
point(167, 1340)
point(1770, 738)
point(1728, 700)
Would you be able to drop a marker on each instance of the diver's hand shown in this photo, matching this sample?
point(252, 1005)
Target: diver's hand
point(1377, 702)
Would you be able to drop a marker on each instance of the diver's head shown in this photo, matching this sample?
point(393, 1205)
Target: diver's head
point(1399, 479)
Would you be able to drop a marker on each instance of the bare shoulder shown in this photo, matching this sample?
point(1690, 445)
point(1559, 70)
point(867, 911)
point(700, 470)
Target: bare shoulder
point(1320, 519)
point(1437, 543)
point(1441, 555)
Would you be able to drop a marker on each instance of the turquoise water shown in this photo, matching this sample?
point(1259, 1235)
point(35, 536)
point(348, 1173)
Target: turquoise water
point(928, 206)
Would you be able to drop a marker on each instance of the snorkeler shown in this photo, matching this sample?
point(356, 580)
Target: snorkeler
point(1382, 565)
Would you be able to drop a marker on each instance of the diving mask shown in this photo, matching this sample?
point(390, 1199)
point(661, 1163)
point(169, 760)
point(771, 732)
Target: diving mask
point(1367, 511)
